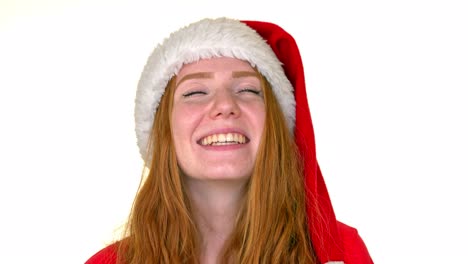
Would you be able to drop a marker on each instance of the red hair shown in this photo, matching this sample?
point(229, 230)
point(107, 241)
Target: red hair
point(272, 222)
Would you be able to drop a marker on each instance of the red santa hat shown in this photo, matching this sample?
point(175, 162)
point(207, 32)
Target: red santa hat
point(274, 53)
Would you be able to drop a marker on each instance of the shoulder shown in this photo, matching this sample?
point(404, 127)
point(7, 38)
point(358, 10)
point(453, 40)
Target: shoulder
point(107, 255)
point(355, 249)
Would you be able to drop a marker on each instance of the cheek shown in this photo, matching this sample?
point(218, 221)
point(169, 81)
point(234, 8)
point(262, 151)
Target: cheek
point(184, 120)
point(185, 110)
point(180, 115)
point(257, 116)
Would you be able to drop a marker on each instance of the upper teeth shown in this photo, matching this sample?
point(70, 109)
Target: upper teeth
point(223, 139)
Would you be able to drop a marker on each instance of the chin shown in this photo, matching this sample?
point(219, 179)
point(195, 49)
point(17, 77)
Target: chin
point(222, 176)
point(231, 174)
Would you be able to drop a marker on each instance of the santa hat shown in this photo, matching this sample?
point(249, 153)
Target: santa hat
point(274, 53)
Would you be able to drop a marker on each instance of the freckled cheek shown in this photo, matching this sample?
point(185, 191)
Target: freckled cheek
point(257, 112)
point(185, 117)
point(181, 111)
point(184, 109)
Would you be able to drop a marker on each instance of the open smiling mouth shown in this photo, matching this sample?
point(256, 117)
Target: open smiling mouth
point(223, 139)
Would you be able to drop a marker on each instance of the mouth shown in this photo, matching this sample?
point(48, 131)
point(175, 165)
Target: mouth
point(223, 139)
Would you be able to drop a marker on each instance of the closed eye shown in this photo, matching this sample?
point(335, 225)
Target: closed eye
point(250, 90)
point(192, 93)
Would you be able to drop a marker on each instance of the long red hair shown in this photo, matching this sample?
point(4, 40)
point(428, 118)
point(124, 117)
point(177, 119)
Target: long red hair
point(272, 223)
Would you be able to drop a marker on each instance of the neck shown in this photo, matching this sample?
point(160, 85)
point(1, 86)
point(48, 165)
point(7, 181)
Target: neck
point(215, 205)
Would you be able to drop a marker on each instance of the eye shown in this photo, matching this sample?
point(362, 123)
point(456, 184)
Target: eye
point(193, 93)
point(250, 90)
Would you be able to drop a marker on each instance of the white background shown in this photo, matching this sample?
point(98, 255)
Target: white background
point(387, 83)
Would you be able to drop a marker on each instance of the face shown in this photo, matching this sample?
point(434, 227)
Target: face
point(217, 119)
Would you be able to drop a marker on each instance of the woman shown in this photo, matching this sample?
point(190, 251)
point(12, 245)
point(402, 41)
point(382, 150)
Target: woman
point(223, 124)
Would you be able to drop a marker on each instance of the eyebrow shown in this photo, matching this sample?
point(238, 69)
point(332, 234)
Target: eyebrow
point(196, 75)
point(207, 75)
point(240, 74)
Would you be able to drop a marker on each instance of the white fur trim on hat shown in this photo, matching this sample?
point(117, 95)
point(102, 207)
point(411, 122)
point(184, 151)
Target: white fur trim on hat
point(206, 39)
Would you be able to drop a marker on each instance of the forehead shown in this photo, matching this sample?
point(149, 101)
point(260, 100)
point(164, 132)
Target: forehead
point(222, 64)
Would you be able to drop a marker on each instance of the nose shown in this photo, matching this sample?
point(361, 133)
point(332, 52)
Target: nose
point(224, 105)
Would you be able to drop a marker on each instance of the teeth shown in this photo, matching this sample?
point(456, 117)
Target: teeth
point(223, 139)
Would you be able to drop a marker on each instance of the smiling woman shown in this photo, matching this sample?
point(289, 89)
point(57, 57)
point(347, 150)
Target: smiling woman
point(223, 124)
point(209, 108)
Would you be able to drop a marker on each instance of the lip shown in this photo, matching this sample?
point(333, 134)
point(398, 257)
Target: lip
point(223, 131)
